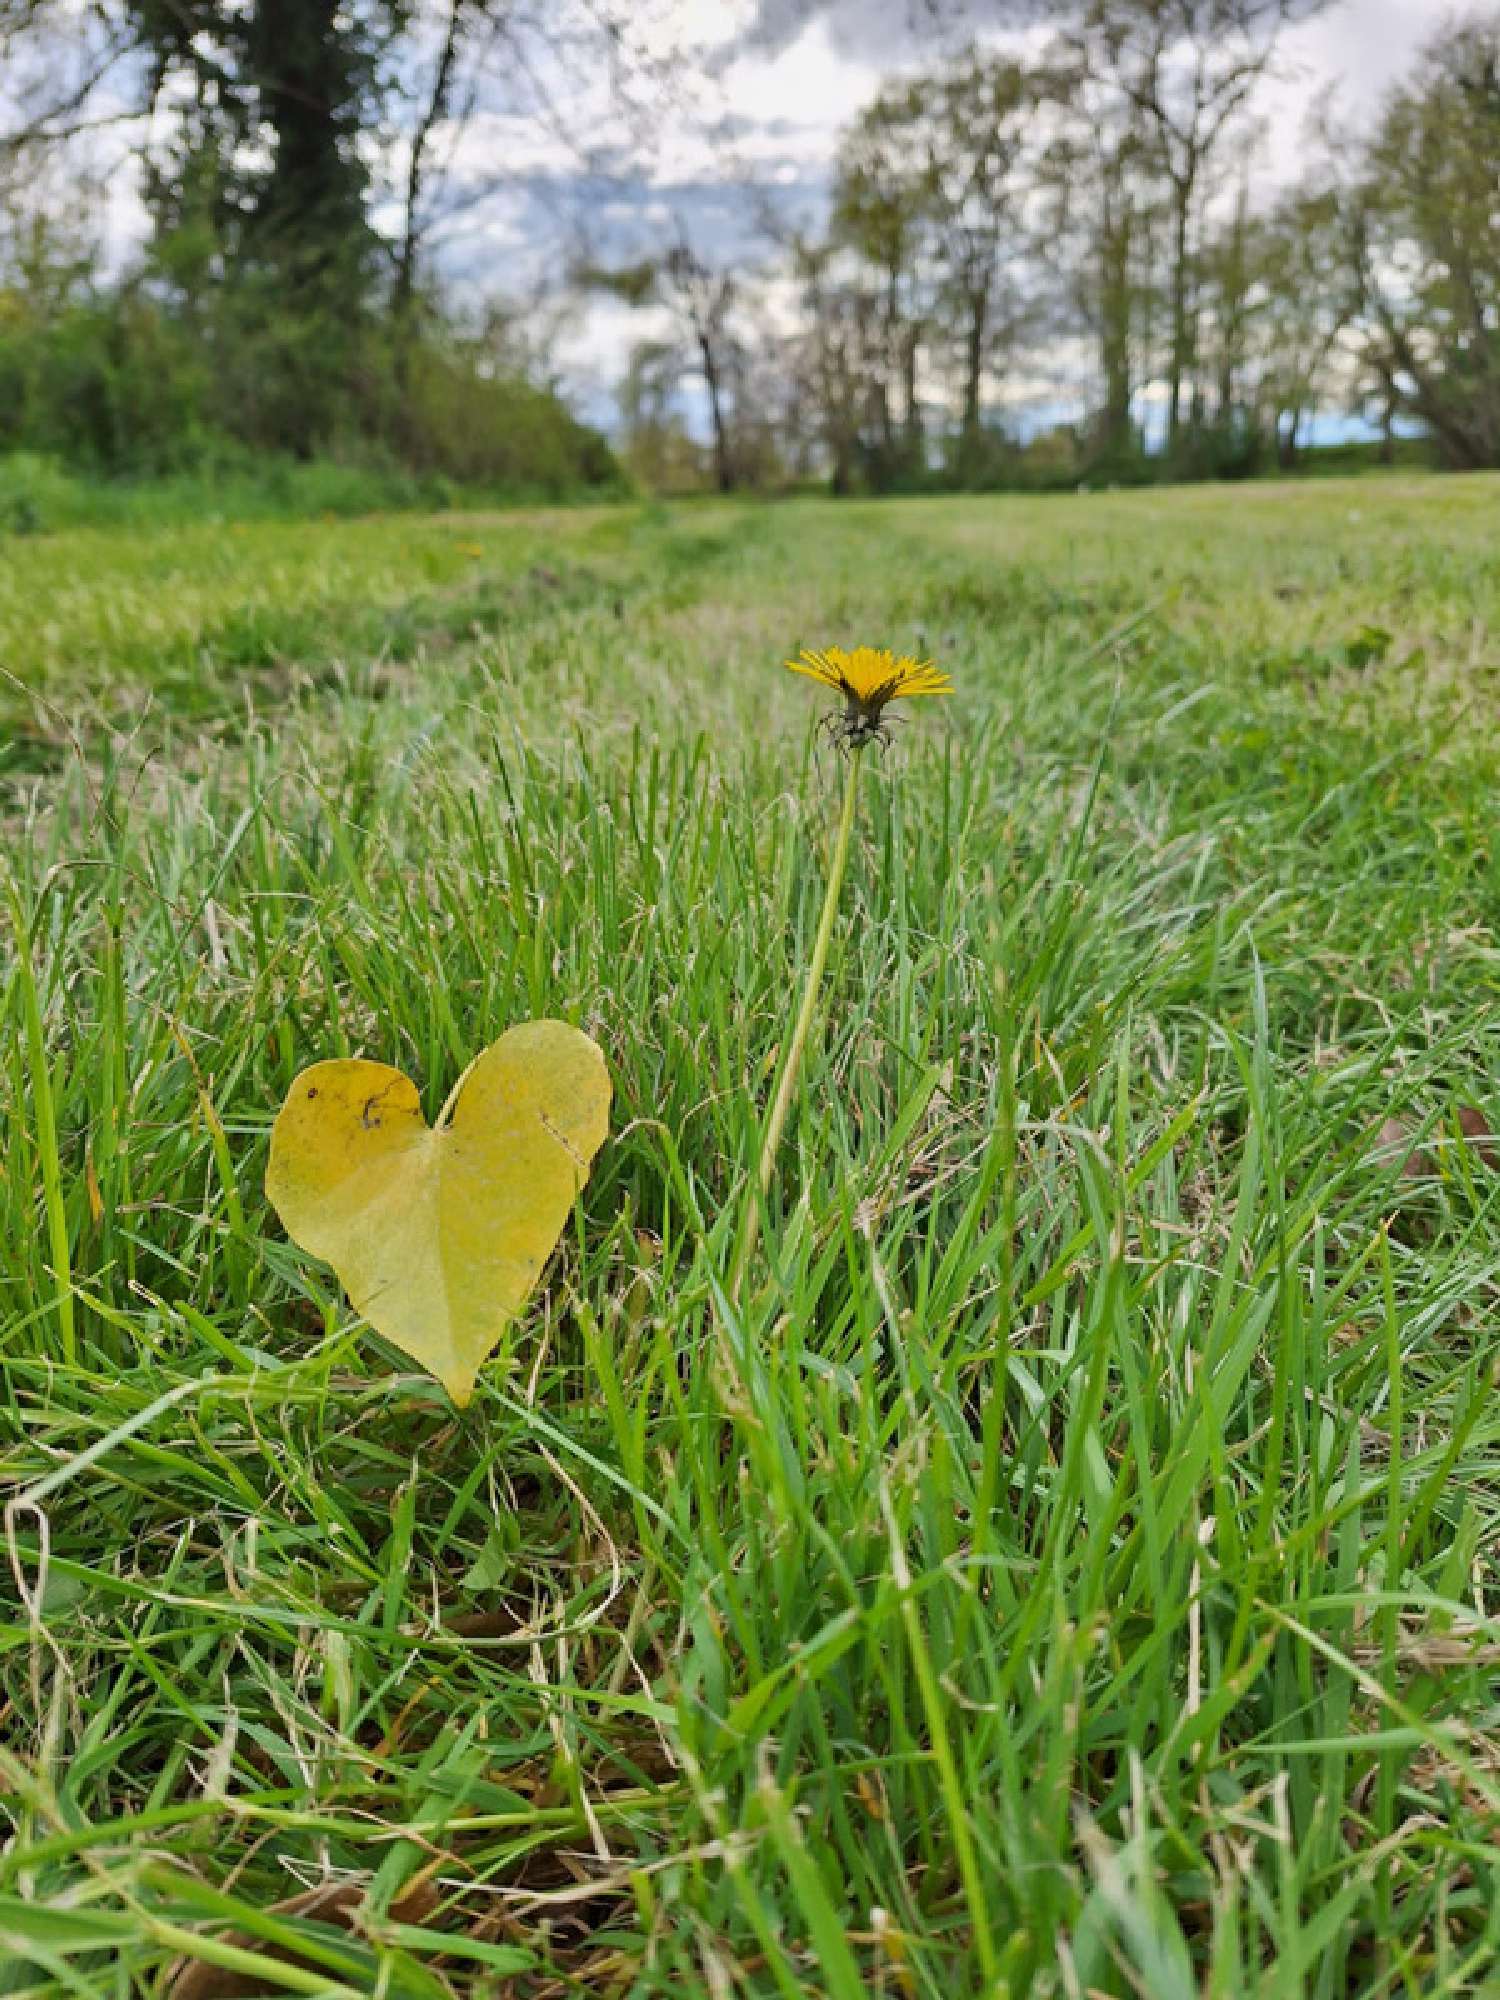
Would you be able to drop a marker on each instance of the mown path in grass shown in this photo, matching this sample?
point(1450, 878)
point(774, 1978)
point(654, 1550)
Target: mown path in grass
point(1072, 1568)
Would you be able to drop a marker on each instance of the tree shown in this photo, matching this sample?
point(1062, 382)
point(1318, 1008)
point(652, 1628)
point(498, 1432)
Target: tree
point(884, 210)
point(1185, 71)
point(659, 449)
point(932, 198)
point(1227, 308)
point(315, 102)
point(257, 174)
point(1098, 196)
point(981, 117)
point(1309, 302)
point(435, 106)
point(838, 358)
point(279, 95)
point(1426, 246)
point(701, 302)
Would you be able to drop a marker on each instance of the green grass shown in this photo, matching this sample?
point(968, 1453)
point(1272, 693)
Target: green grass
point(1071, 1568)
point(40, 495)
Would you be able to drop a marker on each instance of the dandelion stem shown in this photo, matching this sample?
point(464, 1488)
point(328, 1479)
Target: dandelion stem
point(786, 1086)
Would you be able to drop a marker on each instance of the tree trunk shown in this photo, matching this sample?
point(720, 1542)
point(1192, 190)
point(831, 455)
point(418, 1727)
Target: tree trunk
point(1178, 358)
point(723, 460)
point(978, 326)
point(885, 419)
point(911, 412)
point(1227, 361)
point(1464, 451)
point(1114, 334)
point(313, 76)
point(890, 369)
point(403, 292)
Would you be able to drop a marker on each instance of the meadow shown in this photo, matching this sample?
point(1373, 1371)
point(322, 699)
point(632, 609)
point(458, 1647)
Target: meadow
point(1068, 1567)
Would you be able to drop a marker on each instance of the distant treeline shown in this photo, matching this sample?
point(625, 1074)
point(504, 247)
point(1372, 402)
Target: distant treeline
point(1080, 229)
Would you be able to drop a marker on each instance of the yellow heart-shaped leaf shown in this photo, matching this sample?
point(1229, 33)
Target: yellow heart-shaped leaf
point(439, 1233)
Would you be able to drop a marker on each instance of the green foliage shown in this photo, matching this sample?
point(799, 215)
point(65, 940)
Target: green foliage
point(122, 385)
point(198, 363)
point(1074, 1551)
point(101, 380)
point(1409, 454)
point(498, 431)
point(1428, 248)
point(36, 494)
point(270, 109)
point(1233, 448)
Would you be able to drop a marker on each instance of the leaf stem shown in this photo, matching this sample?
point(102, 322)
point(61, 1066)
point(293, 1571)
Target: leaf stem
point(787, 1083)
point(452, 1098)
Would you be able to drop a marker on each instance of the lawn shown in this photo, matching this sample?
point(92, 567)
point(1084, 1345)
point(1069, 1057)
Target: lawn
point(1070, 1567)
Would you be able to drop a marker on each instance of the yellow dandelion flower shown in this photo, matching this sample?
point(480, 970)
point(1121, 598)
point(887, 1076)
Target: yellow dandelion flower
point(868, 678)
